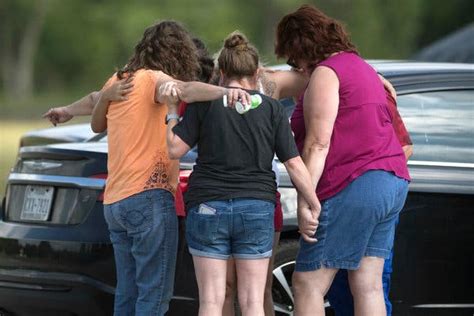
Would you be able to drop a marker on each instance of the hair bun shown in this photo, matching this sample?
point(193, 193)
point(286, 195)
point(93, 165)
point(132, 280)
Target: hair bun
point(236, 40)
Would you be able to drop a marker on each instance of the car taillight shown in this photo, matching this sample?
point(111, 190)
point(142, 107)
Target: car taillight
point(183, 179)
point(100, 198)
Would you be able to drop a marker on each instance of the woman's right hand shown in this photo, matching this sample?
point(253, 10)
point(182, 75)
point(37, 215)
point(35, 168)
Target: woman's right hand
point(58, 115)
point(308, 221)
point(169, 94)
point(237, 95)
point(119, 90)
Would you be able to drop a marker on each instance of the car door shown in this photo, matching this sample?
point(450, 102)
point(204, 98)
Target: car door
point(434, 247)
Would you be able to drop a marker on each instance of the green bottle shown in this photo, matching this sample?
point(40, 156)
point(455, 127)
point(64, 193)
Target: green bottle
point(255, 101)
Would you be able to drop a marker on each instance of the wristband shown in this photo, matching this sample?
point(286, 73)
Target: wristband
point(172, 116)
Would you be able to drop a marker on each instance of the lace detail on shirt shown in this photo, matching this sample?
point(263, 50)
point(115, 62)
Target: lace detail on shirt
point(159, 177)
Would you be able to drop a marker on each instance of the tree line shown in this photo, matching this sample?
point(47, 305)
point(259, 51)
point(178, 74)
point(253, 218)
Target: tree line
point(57, 45)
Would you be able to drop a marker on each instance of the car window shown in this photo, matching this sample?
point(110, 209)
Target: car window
point(441, 125)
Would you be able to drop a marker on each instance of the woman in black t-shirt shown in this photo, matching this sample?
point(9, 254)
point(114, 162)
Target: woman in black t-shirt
point(231, 193)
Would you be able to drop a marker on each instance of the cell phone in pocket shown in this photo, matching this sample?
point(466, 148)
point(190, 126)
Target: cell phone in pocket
point(206, 210)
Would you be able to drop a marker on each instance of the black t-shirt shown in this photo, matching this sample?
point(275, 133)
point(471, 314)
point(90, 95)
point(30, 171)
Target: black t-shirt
point(235, 151)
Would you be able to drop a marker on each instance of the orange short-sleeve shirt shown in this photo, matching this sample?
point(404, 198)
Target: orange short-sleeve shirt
point(138, 154)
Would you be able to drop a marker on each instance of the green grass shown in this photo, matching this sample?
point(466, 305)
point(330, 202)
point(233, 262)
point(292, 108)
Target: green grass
point(20, 116)
point(32, 108)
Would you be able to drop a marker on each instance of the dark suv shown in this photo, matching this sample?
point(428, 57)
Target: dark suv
point(56, 257)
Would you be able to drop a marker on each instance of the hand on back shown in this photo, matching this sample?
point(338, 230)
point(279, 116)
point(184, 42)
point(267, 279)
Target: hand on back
point(119, 90)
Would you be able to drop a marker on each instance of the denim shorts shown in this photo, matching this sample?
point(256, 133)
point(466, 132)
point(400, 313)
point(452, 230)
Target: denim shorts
point(241, 228)
point(359, 221)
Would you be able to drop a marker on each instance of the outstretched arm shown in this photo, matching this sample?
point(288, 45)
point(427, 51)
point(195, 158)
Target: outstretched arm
point(280, 84)
point(85, 105)
point(195, 91)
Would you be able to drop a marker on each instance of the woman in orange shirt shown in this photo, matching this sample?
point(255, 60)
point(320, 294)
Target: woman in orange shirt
point(138, 201)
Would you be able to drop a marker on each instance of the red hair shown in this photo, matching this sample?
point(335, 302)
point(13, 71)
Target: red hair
point(310, 35)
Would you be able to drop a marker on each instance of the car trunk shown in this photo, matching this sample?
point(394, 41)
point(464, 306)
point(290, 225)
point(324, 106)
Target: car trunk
point(52, 220)
point(55, 185)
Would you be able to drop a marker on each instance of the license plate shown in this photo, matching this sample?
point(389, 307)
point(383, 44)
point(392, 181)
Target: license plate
point(37, 203)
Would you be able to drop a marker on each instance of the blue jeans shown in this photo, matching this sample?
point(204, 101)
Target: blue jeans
point(340, 297)
point(144, 234)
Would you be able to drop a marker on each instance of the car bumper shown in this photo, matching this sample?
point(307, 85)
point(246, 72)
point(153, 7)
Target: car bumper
point(27, 292)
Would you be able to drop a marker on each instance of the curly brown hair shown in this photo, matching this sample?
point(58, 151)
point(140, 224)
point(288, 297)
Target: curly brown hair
point(205, 61)
point(310, 35)
point(168, 47)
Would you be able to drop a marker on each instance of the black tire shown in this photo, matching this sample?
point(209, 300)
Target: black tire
point(283, 268)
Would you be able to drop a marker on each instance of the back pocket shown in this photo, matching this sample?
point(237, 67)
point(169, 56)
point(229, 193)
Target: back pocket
point(258, 227)
point(202, 227)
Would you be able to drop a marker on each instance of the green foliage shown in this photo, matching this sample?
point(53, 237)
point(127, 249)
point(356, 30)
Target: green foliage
point(440, 17)
point(84, 41)
point(385, 29)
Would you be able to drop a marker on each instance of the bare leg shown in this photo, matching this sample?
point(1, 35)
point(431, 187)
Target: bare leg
point(230, 289)
point(268, 299)
point(366, 287)
point(211, 276)
point(309, 290)
point(251, 278)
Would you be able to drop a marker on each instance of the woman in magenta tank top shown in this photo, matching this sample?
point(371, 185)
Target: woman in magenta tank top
point(345, 135)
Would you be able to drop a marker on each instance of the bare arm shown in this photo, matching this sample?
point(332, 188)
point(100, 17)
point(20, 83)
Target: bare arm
point(408, 150)
point(99, 115)
point(283, 83)
point(320, 110)
point(160, 84)
point(307, 214)
point(195, 91)
point(176, 146)
point(83, 106)
point(388, 85)
point(302, 179)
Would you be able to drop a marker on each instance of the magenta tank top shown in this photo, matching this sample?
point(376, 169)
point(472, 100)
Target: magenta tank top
point(363, 137)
